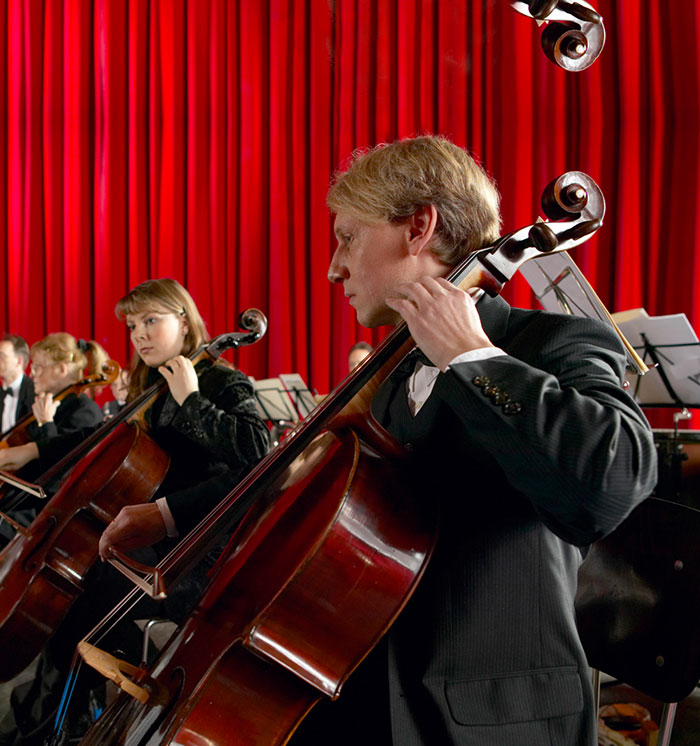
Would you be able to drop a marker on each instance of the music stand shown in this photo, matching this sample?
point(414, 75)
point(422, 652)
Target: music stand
point(302, 398)
point(272, 401)
point(274, 405)
point(670, 343)
point(561, 287)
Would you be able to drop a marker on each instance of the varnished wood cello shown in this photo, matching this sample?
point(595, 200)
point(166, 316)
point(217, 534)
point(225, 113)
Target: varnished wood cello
point(326, 558)
point(43, 567)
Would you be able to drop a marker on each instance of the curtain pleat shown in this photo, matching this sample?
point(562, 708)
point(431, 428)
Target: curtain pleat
point(196, 140)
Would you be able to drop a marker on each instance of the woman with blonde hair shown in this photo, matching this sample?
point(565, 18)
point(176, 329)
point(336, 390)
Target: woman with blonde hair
point(58, 361)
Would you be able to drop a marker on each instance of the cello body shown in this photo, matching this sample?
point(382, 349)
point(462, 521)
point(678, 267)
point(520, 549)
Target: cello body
point(43, 568)
point(321, 566)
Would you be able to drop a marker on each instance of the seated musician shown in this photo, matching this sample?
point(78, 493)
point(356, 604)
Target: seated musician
point(519, 426)
point(59, 361)
point(208, 426)
point(213, 435)
point(120, 389)
point(17, 388)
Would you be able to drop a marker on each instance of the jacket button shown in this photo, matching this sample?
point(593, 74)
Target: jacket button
point(513, 407)
point(481, 381)
point(501, 398)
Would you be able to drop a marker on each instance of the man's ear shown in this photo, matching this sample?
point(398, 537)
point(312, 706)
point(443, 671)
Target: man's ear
point(62, 370)
point(421, 227)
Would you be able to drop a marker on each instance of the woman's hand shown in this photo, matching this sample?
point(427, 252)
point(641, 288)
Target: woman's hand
point(181, 377)
point(44, 408)
point(15, 458)
point(135, 526)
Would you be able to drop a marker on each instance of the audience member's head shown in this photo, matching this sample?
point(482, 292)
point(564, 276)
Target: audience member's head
point(358, 352)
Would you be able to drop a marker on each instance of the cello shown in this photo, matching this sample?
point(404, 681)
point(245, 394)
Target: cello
point(333, 546)
point(43, 567)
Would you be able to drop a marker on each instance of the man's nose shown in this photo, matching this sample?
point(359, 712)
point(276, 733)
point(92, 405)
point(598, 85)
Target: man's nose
point(337, 271)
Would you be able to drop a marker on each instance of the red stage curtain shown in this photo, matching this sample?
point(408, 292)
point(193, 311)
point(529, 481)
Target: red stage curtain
point(196, 139)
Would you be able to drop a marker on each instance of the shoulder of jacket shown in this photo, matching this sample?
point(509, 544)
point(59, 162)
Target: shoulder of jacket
point(221, 374)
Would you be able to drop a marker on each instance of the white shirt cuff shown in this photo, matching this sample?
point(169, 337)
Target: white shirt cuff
point(483, 353)
point(170, 527)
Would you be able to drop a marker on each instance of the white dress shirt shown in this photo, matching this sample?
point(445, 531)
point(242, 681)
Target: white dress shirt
point(420, 384)
point(10, 403)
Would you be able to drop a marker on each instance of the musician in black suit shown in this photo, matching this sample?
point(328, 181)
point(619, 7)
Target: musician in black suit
point(519, 427)
point(17, 394)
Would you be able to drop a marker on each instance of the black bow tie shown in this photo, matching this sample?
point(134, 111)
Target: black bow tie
point(408, 364)
point(8, 392)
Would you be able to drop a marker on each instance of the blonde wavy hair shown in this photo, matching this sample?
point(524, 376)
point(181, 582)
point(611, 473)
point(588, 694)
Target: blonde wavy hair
point(80, 357)
point(166, 296)
point(391, 181)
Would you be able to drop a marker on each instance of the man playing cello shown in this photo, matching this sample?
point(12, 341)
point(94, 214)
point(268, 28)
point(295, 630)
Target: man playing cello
point(520, 427)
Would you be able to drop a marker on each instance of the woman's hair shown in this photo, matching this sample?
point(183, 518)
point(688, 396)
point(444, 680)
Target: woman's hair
point(167, 296)
point(392, 181)
point(80, 357)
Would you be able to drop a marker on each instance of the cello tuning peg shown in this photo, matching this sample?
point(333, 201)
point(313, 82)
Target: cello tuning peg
point(540, 9)
point(583, 13)
point(543, 238)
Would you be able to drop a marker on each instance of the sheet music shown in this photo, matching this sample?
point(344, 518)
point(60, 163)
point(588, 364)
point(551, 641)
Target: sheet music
point(561, 287)
point(302, 398)
point(273, 402)
point(677, 347)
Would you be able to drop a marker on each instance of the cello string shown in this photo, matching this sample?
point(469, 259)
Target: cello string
point(62, 710)
point(94, 636)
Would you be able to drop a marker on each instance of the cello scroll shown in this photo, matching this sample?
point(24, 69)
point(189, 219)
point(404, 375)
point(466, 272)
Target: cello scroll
point(255, 324)
point(574, 35)
point(577, 205)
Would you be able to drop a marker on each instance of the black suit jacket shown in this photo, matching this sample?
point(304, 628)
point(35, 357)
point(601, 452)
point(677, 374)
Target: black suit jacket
point(26, 399)
point(73, 415)
point(528, 455)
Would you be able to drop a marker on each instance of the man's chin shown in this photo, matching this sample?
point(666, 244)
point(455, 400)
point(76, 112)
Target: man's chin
point(371, 320)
